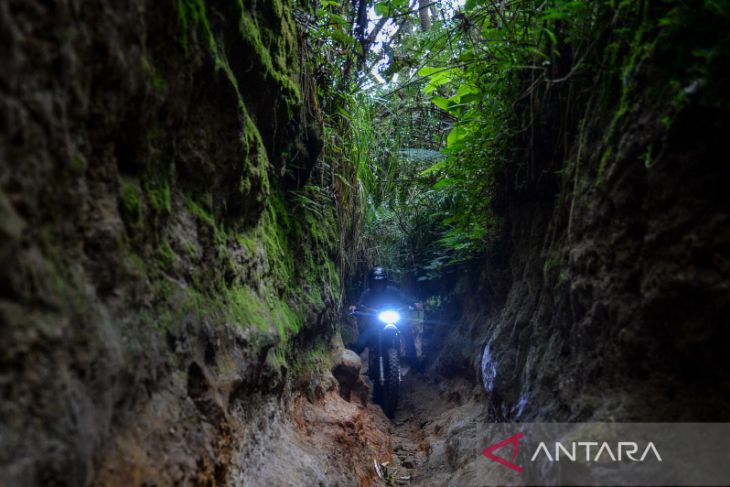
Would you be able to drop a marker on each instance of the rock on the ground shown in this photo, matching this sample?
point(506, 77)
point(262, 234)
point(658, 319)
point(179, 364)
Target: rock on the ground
point(347, 372)
point(348, 365)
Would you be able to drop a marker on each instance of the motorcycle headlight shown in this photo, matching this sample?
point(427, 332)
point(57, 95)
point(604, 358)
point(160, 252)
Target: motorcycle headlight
point(389, 316)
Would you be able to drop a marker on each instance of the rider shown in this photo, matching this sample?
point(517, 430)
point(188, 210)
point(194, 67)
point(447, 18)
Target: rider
point(379, 295)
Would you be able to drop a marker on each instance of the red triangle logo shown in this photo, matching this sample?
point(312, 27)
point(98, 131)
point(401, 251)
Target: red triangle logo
point(514, 440)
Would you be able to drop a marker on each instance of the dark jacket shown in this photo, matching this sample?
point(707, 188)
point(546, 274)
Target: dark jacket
point(389, 296)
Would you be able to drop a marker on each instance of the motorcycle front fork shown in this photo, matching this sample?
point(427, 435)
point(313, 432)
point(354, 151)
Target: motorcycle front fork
point(381, 364)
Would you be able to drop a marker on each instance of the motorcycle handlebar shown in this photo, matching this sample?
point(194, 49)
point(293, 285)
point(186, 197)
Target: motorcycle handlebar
point(372, 311)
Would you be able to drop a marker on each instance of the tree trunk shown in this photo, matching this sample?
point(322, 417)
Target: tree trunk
point(423, 14)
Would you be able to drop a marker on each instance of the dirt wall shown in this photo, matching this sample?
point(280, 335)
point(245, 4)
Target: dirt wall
point(605, 296)
point(154, 322)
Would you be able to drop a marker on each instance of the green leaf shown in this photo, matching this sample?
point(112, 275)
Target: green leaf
point(342, 38)
point(538, 52)
point(440, 102)
point(456, 137)
point(466, 56)
point(427, 71)
point(445, 183)
point(344, 113)
point(554, 14)
point(471, 98)
point(382, 9)
point(464, 90)
point(438, 77)
point(551, 35)
point(442, 164)
point(338, 19)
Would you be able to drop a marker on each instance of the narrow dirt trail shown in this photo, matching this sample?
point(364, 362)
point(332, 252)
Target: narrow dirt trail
point(415, 434)
point(432, 429)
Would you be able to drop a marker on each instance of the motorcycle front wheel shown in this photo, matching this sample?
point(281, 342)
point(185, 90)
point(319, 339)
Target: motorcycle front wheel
point(392, 382)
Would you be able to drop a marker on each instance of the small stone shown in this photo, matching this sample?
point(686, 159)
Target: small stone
point(347, 369)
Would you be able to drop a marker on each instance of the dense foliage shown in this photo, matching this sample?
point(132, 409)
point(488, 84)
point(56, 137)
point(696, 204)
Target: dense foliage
point(425, 116)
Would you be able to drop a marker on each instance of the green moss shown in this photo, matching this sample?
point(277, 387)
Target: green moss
point(287, 321)
point(333, 275)
point(220, 240)
point(159, 198)
point(191, 250)
point(624, 67)
point(165, 320)
point(641, 48)
point(277, 303)
point(276, 6)
point(272, 234)
point(276, 360)
point(273, 304)
point(248, 241)
point(137, 262)
point(316, 359)
point(166, 255)
point(273, 300)
point(130, 202)
point(251, 34)
point(281, 354)
point(257, 162)
point(243, 307)
point(191, 15)
point(201, 213)
point(130, 197)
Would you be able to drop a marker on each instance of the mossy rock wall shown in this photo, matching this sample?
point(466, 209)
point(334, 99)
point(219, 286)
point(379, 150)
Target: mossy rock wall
point(156, 261)
point(604, 298)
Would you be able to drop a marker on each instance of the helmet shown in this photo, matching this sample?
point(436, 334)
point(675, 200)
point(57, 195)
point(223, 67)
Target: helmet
point(377, 273)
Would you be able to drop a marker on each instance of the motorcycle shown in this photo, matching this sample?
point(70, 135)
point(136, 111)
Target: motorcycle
point(384, 354)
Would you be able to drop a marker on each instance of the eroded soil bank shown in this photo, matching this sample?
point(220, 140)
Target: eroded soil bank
point(433, 438)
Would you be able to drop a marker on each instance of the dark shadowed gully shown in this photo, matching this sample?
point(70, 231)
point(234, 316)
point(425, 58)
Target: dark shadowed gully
point(193, 194)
